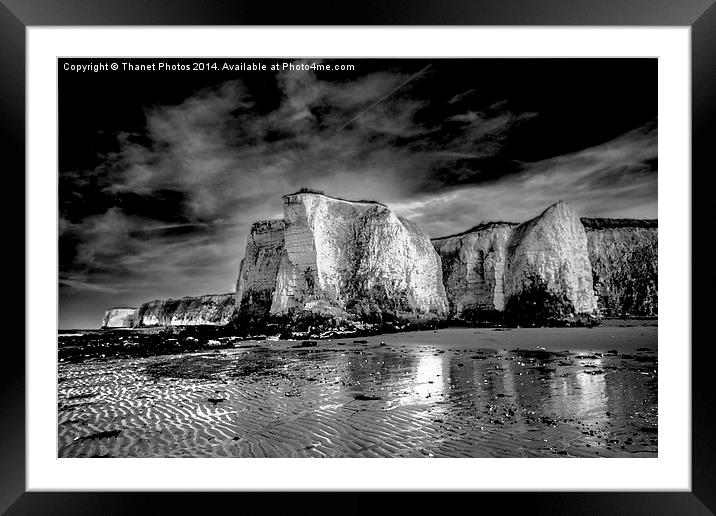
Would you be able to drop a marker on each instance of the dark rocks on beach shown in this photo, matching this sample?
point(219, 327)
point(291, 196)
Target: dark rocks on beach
point(538, 354)
point(110, 344)
point(306, 344)
point(365, 397)
point(100, 435)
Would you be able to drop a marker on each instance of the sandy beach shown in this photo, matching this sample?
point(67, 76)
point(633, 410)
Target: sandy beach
point(456, 392)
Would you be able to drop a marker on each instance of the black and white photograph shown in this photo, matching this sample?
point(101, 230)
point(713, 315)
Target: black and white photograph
point(357, 257)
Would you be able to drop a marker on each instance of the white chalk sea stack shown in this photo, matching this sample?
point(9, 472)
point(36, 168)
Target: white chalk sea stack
point(550, 253)
point(350, 261)
point(520, 268)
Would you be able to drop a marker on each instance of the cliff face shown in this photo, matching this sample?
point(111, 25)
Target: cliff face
point(355, 261)
point(119, 318)
point(259, 269)
point(352, 264)
point(535, 272)
point(624, 257)
point(212, 310)
point(552, 266)
point(548, 268)
point(473, 269)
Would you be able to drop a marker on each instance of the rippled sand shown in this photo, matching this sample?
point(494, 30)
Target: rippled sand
point(465, 392)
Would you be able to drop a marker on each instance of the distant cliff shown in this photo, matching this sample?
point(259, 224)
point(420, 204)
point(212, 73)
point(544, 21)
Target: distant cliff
point(119, 318)
point(624, 258)
point(347, 262)
point(216, 309)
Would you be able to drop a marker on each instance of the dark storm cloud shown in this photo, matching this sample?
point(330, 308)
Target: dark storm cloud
point(167, 212)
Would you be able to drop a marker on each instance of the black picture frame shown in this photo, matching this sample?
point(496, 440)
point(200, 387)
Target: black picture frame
point(17, 15)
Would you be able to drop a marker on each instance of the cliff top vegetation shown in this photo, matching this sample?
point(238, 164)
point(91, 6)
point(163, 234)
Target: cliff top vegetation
point(619, 223)
point(321, 192)
point(480, 227)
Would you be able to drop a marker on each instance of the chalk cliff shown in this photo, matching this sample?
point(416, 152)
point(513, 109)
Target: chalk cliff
point(624, 258)
point(119, 318)
point(535, 272)
point(337, 264)
point(258, 270)
point(548, 275)
point(550, 267)
point(349, 262)
point(473, 265)
point(214, 310)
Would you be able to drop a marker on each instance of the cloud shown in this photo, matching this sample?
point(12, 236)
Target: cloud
point(617, 178)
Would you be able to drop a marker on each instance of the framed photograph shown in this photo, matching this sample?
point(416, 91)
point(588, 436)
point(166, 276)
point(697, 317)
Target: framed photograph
point(423, 247)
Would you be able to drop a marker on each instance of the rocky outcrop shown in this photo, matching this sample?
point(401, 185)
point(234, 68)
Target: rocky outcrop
point(473, 266)
point(258, 270)
point(119, 318)
point(346, 263)
point(548, 275)
point(624, 258)
point(212, 310)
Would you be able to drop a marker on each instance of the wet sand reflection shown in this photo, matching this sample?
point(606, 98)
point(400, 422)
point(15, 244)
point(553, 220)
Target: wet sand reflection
point(451, 393)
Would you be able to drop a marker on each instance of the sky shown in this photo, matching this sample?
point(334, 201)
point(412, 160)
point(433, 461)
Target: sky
point(161, 173)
